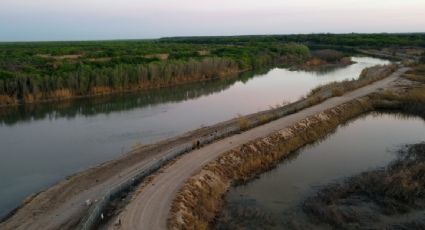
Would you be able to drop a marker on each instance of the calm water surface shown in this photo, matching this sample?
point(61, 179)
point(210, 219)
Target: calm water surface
point(42, 144)
point(273, 200)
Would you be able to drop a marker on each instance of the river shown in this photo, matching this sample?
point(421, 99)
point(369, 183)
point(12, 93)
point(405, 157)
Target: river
point(44, 143)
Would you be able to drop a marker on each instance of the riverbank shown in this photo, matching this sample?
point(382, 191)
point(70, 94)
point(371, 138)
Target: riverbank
point(194, 204)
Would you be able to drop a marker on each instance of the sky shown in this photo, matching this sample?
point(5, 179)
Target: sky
point(47, 20)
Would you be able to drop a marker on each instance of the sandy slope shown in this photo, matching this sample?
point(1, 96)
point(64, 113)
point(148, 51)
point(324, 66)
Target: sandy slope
point(149, 209)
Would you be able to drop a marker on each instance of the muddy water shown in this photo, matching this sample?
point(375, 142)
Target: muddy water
point(273, 201)
point(42, 144)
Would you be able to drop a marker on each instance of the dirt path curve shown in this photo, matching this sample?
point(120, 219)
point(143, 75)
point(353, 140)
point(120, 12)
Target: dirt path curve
point(150, 208)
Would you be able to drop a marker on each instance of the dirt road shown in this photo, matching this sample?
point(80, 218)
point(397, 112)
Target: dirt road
point(150, 208)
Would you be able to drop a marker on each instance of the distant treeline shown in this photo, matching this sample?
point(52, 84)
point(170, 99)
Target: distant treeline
point(354, 40)
point(56, 70)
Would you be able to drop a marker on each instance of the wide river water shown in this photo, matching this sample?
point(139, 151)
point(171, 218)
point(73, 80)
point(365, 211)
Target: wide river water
point(273, 201)
point(42, 144)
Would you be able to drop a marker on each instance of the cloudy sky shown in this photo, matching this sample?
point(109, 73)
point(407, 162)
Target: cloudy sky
point(23, 20)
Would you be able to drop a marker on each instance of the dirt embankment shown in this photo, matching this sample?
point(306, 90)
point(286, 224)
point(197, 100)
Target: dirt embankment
point(200, 199)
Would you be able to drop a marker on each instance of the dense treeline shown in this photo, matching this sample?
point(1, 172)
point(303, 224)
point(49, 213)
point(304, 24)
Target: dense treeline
point(42, 71)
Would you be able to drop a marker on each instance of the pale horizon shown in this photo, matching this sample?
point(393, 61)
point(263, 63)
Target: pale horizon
point(49, 20)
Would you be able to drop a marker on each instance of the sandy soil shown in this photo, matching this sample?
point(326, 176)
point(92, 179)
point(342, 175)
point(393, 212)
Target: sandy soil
point(150, 208)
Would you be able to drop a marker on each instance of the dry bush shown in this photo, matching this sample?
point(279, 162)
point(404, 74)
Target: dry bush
point(336, 92)
point(314, 100)
point(265, 118)
point(243, 122)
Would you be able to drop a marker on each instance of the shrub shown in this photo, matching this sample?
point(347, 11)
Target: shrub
point(336, 92)
point(243, 123)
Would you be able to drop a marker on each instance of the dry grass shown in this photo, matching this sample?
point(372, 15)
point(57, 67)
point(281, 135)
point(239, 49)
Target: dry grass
point(411, 101)
point(415, 95)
